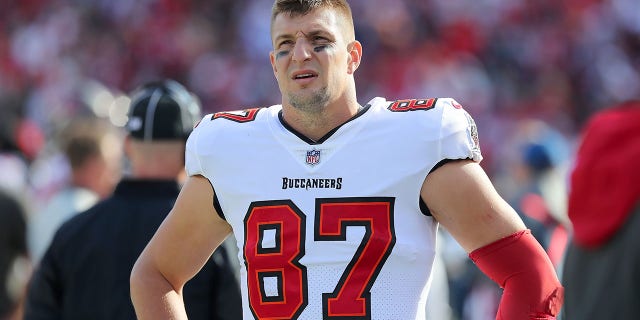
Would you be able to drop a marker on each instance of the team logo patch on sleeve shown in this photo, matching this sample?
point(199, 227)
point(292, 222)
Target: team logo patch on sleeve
point(473, 132)
point(313, 157)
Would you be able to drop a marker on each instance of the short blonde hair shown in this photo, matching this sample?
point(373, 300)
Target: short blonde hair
point(302, 7)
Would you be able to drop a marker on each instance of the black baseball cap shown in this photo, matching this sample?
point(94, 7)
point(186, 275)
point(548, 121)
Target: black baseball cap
point(162, 110)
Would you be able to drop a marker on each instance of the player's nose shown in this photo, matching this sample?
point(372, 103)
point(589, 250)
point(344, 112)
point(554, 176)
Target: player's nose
point(301, 50)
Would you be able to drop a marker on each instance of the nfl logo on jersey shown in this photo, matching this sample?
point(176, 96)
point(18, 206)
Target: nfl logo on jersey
point(313, 157)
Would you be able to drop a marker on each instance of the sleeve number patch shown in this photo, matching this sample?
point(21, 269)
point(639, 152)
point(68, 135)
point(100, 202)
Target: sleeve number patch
point(281, 225)
point(412, 105)
point(237, 116)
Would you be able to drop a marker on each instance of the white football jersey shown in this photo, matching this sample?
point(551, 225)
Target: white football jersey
point(332, 228)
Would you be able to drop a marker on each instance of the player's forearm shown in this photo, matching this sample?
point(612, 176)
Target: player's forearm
point(520, 266)
point(153, 296)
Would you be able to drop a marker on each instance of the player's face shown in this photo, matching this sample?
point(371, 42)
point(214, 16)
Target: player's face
point(311, 59)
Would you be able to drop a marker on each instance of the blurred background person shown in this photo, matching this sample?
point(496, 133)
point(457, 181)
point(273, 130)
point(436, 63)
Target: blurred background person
point(14, 263)
point(92, 148)
point(14, 158)
point(534, 182)
point(85, 272)
point(602, 269)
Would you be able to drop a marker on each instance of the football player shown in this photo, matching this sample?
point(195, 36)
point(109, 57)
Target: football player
point(334, 205)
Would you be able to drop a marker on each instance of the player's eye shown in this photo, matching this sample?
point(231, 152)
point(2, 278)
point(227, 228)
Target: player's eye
point(320, 43)
point(285, 44)
point(320, 39)
point(282, 53)
point(283, 48)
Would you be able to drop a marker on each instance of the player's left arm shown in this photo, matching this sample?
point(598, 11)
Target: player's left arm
point(462, 198)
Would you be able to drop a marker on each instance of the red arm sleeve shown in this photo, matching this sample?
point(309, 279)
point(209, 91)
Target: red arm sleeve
point(522, 268)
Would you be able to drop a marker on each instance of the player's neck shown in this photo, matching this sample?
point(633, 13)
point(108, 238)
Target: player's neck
point(315, 125)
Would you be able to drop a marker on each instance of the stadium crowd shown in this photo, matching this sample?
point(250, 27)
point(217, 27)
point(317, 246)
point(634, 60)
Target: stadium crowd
point(530, 72)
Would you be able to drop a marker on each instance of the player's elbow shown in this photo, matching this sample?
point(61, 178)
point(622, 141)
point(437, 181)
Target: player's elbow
point(143, 279)
point(137, 278)
point(149, 289)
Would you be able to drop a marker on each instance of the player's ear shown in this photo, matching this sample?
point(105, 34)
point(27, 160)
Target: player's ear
point(355, 56)
point(272, 58)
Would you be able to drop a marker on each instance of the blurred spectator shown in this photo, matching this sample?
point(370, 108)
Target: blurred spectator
point(602, 269)
point(14, 157)
point(85, 272)
point(14, 264)
point(538, 190)
point(93, 150)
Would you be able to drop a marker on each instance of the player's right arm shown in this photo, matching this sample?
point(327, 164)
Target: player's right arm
point(181, 246)
point(462, 198)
